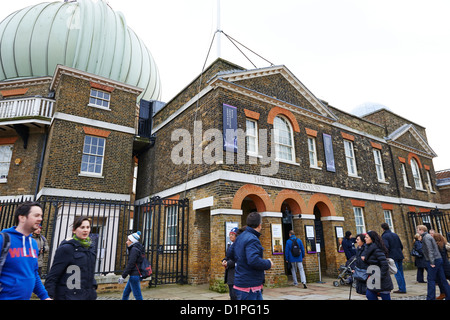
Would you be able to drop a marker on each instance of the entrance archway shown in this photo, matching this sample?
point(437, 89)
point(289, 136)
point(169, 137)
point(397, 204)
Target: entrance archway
point(251, 198)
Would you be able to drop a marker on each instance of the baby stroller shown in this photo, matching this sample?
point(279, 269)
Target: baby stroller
point(345, 273)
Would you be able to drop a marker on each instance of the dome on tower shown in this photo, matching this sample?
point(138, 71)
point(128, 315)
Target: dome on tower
point(367, 108)
point(87, 35)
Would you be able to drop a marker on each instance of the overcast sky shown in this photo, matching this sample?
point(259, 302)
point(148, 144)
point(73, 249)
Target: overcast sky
point(347, 52)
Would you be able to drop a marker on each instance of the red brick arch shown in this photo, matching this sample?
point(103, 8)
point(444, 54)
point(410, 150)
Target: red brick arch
point(293, 199)
point(324, 203)
point(412, 155)
point(275, 111)
point(259, 196)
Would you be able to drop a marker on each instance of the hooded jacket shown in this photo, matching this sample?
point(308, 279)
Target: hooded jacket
point(71, 276)
point(20, 277)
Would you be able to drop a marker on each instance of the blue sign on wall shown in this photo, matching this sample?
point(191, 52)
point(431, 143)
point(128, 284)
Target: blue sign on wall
point(229, 128)
point(329, 155)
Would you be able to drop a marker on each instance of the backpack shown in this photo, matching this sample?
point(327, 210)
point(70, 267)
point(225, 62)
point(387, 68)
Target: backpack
point(4, 252)
point(295, 249)
point(144, 267)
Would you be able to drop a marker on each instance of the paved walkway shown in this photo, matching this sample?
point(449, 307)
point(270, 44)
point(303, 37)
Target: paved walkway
point(315, 291)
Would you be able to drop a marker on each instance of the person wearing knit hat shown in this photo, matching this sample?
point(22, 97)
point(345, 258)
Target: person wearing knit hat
point(135, 237)
point(135, 251)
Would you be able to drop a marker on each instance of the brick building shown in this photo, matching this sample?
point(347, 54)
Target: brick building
point(300, 162)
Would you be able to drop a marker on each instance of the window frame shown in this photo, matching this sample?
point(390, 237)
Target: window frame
point(430, 183)
point(97, 98)
point(360, 228)
point(379, 168)
point(88, 173)
point(405, 176)
point(349, 148)
point(312, 152)
point(254, 137)
point(418, 183)
point(387, 214)
point(171, 217)
point(278, 144)
point(11, 149)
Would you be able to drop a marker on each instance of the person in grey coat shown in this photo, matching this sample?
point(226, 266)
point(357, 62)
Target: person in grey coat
point(435, 270)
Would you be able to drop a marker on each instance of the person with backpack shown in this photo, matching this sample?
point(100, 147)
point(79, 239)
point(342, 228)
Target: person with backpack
point(295, 252)
point(135, 252)
point(19, 276)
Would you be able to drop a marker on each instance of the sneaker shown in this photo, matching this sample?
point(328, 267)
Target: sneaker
point(304, 286)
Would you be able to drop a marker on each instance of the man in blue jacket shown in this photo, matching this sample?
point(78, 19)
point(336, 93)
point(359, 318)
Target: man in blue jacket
point(247, 252)
point(20, 276)
point(295, 252)
point(395, 247)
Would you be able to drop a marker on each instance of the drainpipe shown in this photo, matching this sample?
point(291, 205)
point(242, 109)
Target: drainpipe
point(41, 163)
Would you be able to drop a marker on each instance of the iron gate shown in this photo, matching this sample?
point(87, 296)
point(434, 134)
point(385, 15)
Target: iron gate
point(163, 224)
point(434, 219)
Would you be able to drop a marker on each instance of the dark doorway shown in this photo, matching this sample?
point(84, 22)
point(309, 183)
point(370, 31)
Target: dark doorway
point(287, 226)
point(319, 238)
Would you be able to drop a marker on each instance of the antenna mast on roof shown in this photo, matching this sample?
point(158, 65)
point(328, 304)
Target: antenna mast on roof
point(218, 31)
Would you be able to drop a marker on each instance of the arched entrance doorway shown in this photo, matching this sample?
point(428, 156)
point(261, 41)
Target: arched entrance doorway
point(251, 198)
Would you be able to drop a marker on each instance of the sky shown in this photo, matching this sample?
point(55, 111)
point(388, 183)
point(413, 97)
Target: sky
point(346, 52)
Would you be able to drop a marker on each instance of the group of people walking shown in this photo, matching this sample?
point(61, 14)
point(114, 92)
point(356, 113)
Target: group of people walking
point(71, 276)
point(375, 250)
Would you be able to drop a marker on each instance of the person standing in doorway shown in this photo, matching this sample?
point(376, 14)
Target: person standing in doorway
point(395, 247)
point(71, 276)
point(135, 251)
point(295, 252)
point(435, 270)
point(20, 277)
point(247, 252)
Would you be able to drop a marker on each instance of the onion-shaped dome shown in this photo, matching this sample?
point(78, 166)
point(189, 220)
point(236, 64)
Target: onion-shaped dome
point(87, 35)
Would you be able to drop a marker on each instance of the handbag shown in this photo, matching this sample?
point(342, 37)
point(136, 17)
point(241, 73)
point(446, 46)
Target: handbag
point(416, 253)
point(392, 266)
point(360, 274)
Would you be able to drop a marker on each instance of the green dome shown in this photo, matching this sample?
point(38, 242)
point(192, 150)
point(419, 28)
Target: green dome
point(86, 35)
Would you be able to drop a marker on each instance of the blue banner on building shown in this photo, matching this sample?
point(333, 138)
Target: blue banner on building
point(229, 128)
point(329, 155)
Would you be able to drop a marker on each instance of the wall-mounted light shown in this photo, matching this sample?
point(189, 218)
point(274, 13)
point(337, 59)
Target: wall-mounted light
point(18, 161)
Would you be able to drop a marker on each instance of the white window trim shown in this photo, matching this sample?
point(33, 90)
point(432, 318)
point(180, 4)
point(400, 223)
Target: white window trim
point(405, 176)
point(169, 248)
point(93, 174)
point(96, 105)
point(430, 184)
point(418, 184)
point(351, 157)
point(363, 226)
point(256, 137)
point(389, 221)
point(5, 180)
point(379, 168)
point(291, 131)
point(313, 151)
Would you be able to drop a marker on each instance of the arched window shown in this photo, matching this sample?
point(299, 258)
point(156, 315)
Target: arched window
point(284, 139)
point(416, 174)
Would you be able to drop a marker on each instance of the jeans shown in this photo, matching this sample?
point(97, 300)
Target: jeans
point(294, 267)
point(399, 276)
point(133, 284)
point(242, 295)
point(371, 295)
point(434, 275)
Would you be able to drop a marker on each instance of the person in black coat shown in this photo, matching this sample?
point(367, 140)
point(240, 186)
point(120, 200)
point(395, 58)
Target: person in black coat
point(395, 247)
point(419, 261)
point(376, 255)
point(229, 265)
point(359, 263)
point(71, 276)
point(348, 244)
point(135, 251)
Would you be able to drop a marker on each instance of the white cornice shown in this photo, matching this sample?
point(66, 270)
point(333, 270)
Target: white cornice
point(391, 139)
point(60, 70)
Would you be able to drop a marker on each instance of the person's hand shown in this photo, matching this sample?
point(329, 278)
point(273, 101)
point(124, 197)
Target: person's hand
point(271, 263)
point(121, 280)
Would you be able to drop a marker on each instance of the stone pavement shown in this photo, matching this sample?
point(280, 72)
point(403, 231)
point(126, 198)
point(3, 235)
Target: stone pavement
point(315, 291)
